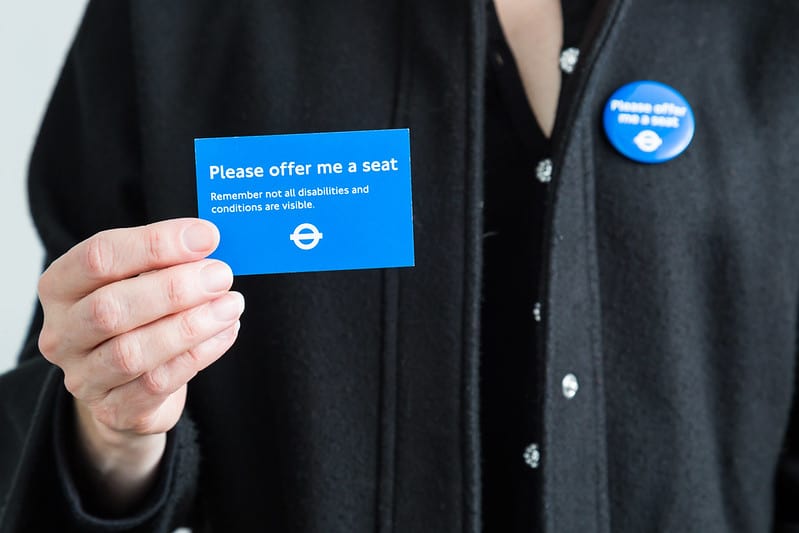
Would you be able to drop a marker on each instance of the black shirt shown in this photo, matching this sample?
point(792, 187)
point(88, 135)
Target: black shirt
point(514, 211)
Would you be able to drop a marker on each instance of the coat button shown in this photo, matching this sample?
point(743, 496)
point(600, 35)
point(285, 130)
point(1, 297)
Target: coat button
point(568, 59)
point(532, 456)
point(570, 386)
point(537, 312)
point(543, 171)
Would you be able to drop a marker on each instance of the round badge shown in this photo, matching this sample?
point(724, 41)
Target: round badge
point(649, 122)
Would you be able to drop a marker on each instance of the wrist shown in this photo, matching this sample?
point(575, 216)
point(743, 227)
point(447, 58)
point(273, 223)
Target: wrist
point(118, 468)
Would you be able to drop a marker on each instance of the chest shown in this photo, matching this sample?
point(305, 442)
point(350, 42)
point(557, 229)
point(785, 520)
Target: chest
point(534, 31)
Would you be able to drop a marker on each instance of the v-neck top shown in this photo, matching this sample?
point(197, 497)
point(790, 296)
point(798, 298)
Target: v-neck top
point(516, 159)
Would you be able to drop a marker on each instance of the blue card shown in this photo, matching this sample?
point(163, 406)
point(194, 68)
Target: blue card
point(308, 202)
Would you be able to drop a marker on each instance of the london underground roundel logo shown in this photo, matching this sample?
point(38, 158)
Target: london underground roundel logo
point(306, 236)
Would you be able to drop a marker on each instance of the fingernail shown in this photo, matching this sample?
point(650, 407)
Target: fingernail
point(230, 332)
point(228, 307)
point(199, 237)
point(216, 277)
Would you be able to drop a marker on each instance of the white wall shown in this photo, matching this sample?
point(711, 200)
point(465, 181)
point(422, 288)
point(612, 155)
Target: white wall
point(34, 37)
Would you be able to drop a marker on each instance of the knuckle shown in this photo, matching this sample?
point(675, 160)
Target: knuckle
point(99, 256)
point(126, 356)
point(48, 343)
point(73, 384)
point(177, 291)
point(193, 357)
point(155, 382)
point(105, 312)
point(190, 363)
point(142, 423)
point(188, 326)
point(155, 242)
point(107, 414)
point(45, 285)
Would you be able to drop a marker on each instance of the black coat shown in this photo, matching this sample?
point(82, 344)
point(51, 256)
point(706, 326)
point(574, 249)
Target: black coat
point(350, 401)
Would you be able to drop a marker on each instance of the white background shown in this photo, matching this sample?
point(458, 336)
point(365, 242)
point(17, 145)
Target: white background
point(34, 38)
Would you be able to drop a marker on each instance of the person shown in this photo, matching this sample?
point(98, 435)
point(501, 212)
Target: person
point(586, 343)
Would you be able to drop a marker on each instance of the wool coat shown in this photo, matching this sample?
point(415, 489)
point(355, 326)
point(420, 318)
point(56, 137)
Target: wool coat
point(350, 401)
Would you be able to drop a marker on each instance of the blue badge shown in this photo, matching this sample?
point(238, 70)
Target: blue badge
point(308, 202)
point(649, 122)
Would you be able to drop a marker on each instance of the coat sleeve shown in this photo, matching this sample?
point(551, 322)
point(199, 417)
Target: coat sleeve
point(84, 177)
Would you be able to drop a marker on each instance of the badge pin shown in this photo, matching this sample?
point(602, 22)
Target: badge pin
point(648, 122)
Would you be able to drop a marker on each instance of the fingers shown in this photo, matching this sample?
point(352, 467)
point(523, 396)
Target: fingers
point(131, 315)
point(126, 305)
point(119, 254)
point(126, 357)
point(137, 406)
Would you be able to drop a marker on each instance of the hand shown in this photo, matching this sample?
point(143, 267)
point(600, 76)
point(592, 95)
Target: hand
point(130, 316)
